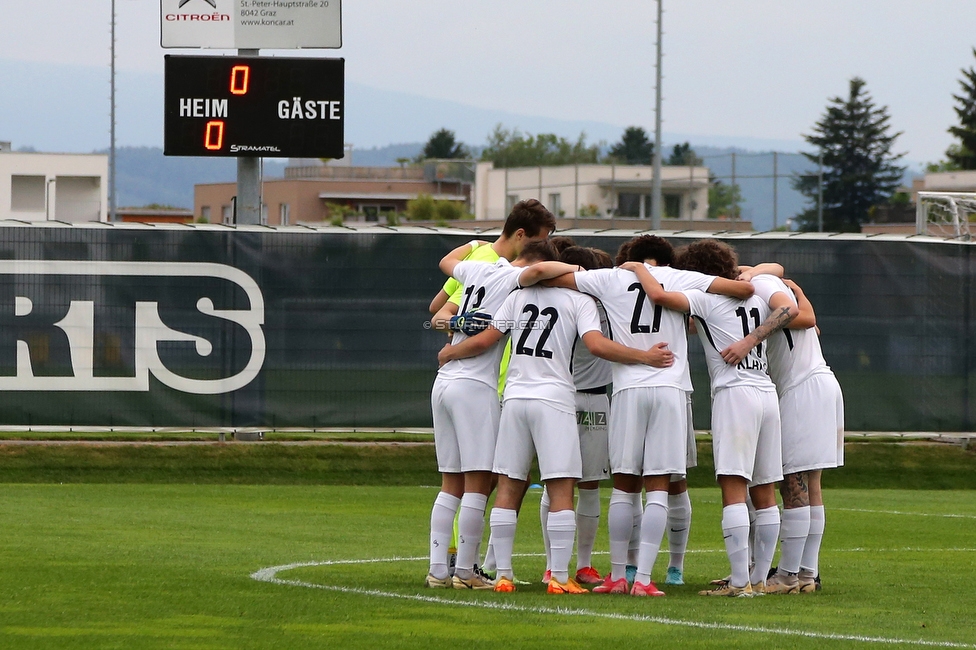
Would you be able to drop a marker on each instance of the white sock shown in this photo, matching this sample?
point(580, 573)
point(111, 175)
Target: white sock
point(767, 532)
point(441, 531)
point(620, 523)
point(811, 550)
point(792, 538)
point(735, 528)
point(503, 523)
point(587, 523)
point(679, 526)
point(562, 532)
point(544, 519)
point(489, 562)
point(633, 549)
point(471, 525)
point(752, 529)
point(653, 523)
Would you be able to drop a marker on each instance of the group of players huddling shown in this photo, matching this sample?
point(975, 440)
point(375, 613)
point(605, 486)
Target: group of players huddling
point(579, 323)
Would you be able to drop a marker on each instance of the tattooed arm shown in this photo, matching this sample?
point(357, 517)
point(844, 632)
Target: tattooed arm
point(784, 311)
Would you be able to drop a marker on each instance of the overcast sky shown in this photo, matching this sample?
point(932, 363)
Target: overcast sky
point(757, 68)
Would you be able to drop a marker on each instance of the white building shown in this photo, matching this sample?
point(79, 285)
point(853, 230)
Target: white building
point(592, 190)
point(53, 186)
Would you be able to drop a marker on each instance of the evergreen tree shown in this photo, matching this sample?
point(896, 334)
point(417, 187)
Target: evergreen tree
point(634, 148)
point(682, 155)
point(859, 169)
point(963, 154)
point(443, 144)
point(512, 148)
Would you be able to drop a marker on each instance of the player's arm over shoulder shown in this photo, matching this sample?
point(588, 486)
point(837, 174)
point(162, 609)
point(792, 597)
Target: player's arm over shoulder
point(740, 289)
point(807, 318)
point(546, 271)
point(674, 300)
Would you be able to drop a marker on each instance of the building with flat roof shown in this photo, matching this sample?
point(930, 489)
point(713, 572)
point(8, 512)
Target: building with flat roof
point(308, 193)
point(53, 186)
point(592, 191)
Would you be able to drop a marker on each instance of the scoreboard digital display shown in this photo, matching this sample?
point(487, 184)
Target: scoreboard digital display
point(253, 106)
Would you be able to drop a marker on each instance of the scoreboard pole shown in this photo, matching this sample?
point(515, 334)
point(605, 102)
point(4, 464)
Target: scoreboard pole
point(248, 181)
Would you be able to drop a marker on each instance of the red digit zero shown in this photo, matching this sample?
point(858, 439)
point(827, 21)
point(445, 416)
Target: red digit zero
point(239, 77)
point(214, 137)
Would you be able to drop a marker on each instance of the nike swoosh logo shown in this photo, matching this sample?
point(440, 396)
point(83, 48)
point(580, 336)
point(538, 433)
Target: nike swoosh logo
point(678, 530)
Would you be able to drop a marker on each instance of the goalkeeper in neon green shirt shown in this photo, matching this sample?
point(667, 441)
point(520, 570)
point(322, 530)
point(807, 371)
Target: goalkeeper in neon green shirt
point(529, 221)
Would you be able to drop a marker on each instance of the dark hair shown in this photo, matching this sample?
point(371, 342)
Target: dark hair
point(579, 255)
point(711, 257)
point(651, 247)
point(562, 242)
point(603, 260)
point(539, 251)
point(622, 253)
point(531, 216)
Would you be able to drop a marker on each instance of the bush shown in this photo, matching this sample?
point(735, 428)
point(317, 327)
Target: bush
point(448, 211)
point(421, 208)
point(426, 208)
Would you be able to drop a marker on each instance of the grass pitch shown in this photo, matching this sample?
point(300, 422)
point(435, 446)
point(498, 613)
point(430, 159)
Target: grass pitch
point(134, 565)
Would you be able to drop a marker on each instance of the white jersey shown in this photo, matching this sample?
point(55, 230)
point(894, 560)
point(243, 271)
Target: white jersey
point(545, 324)
point(721, 322)
point(485, 287)
point(794, 355)
point(638, 323)
point(590, 371)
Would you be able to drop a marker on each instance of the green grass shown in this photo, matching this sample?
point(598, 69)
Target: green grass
point(869, 464)
point(167, 566)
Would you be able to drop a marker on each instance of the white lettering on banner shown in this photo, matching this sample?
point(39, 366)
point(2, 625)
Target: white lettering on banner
point(197, 107)
point(78, 325)
point(311, 109)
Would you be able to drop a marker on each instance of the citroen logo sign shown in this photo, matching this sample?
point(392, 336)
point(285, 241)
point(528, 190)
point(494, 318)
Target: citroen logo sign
point(212, 3)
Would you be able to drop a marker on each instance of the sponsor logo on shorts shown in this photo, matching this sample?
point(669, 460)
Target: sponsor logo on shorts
point(591, 418)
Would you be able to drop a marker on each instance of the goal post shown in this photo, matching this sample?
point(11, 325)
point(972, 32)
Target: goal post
point(946, 214)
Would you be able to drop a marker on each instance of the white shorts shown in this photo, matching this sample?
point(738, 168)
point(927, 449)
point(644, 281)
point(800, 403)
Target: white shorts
point(466, 416)
point(529, 427)
point(649, 431)
point(746, 434)
point(691, 458)
point(813, 425)
point(592, 413)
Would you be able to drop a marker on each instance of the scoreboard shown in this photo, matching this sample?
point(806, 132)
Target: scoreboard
point(242, 106)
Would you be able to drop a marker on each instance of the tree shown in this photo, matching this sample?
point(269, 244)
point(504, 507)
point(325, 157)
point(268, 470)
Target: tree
point(859, 169)
point(724, 200)
point(443, 144)
point(963, 155)
point(512, 148)
point(682, 155)
point(634, 148)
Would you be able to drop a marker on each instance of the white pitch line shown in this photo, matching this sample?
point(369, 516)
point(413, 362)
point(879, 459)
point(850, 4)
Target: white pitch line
point(270, 575)
point(897, 512)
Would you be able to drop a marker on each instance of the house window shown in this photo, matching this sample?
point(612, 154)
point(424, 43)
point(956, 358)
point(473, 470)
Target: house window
point(556, 204)
point(628, 205)
point(27, 194)
point(227, 215)
point(672, 206)
point(284, 214)
point(371, 212)
point(510, 202)
point(205, 213)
